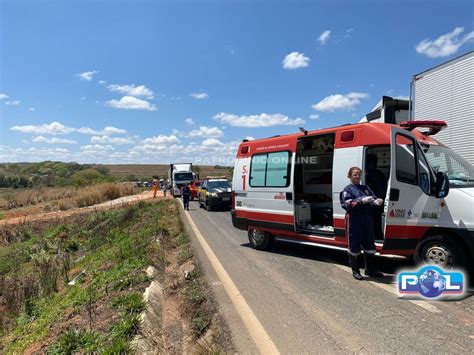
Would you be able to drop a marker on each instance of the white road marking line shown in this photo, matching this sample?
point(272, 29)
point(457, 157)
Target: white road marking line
point(390, 288)
point(261, 338)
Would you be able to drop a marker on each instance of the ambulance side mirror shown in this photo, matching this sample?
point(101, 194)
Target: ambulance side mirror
point(442, 185)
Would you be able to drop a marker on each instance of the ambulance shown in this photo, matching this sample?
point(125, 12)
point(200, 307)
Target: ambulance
point(287, 187)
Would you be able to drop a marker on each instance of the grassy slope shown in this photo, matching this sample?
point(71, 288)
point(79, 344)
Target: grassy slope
point(115, 247)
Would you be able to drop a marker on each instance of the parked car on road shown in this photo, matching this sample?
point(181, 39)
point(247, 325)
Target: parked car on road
point(215, 193)
point(195, 187)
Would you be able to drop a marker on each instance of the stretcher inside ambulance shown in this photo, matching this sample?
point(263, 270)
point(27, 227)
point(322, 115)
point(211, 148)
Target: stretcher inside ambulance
point(288, 187)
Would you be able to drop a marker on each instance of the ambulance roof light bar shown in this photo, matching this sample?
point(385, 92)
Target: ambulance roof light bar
point(433, 126)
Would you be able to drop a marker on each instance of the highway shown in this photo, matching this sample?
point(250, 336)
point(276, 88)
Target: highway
point(305, 300)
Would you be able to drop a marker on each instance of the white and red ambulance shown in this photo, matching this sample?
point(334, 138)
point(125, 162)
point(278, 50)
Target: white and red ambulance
point(288, 187)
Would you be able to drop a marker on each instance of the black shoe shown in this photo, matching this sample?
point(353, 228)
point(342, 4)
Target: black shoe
point(370, 269)
point(354, 261)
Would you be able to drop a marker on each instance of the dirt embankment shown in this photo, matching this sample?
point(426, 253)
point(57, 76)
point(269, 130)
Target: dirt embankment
point(119, 202)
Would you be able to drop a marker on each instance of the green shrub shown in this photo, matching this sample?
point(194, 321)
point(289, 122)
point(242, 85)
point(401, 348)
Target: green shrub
point(75, 341)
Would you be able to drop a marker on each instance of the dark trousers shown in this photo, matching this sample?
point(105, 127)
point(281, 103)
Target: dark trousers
point(360, 234)
point(186, 201)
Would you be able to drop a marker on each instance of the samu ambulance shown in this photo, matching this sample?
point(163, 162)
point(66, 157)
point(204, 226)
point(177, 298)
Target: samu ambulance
point(288, 187)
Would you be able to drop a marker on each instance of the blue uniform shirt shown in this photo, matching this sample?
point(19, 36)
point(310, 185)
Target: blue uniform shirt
point(351, 200)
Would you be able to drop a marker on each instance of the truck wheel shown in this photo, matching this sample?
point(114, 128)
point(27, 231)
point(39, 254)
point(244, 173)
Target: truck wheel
point(208, 207)
point(200, 203)
point(260, 240)
point(441, 251)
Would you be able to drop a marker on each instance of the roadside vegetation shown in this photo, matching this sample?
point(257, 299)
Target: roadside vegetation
point(19, 202)
point(51, 173)
point(76, 286)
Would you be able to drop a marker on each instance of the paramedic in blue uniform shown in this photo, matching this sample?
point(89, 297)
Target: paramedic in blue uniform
point(359, 201)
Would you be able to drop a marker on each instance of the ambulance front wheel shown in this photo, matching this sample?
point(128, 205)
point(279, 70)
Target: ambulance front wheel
point(441, 251)
point(260, 240)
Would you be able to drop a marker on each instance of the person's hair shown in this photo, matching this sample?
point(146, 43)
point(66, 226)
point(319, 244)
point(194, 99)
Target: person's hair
point(351, 170)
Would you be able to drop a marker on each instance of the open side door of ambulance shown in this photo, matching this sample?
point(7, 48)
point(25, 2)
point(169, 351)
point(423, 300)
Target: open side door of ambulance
point(410, 208)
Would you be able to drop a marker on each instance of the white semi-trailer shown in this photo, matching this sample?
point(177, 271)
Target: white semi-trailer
point(446, 92)
point(178, 176)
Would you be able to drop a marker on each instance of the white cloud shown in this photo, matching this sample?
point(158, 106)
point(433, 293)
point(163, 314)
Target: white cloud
point(13, 103)
point(31, 108)
point(51, 128)
point(444, 45)
point(54, 140)
point(295, 60)
point(132, 90)
point(323, 38)
point(212, 142)
point(262, 120)
point(200, 96)
point(204, 131)
point(313, 117)
point(96, 148)
point(55, 128)
point(102, 82)
point(250, 138)
point(113, 130)
point(4, 96)
point(340, 102)
point(189, 121)
point(9, 154)
point(162, 139)
point(112, 140)
point(131, 103)
point(87, 75)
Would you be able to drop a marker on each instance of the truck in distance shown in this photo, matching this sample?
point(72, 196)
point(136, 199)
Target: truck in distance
point(178, 176)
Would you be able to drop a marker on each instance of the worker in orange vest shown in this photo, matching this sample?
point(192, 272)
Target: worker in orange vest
point(155, 187)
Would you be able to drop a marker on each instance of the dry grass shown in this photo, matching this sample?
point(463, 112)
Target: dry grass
point(15, 202)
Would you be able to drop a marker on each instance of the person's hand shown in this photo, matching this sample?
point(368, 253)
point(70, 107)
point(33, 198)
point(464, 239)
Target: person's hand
point(367, 199)
point(378, 202)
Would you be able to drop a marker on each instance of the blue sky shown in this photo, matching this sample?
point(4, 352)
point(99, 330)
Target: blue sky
point(163, 81)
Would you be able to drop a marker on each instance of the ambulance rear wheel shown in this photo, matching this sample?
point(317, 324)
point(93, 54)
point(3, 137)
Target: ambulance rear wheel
point(260, 240)
point(441, 251)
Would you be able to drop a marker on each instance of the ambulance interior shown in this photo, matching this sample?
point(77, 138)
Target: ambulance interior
point(313, 184)
point(376, 174)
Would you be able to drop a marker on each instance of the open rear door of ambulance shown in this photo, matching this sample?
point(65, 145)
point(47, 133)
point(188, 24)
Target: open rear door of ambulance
point(408, 201)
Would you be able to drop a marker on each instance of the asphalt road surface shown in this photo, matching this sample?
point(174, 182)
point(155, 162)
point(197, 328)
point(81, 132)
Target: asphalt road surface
point(307, 301)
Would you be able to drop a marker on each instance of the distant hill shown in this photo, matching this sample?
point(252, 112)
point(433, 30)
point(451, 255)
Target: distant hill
point(145, 171)
point(52, 173)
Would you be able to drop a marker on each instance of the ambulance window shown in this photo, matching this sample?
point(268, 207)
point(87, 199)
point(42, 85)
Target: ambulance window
point(425, 175)
point(405, 160)
point(277, 169)
point(270, 170)
point(257, 170)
